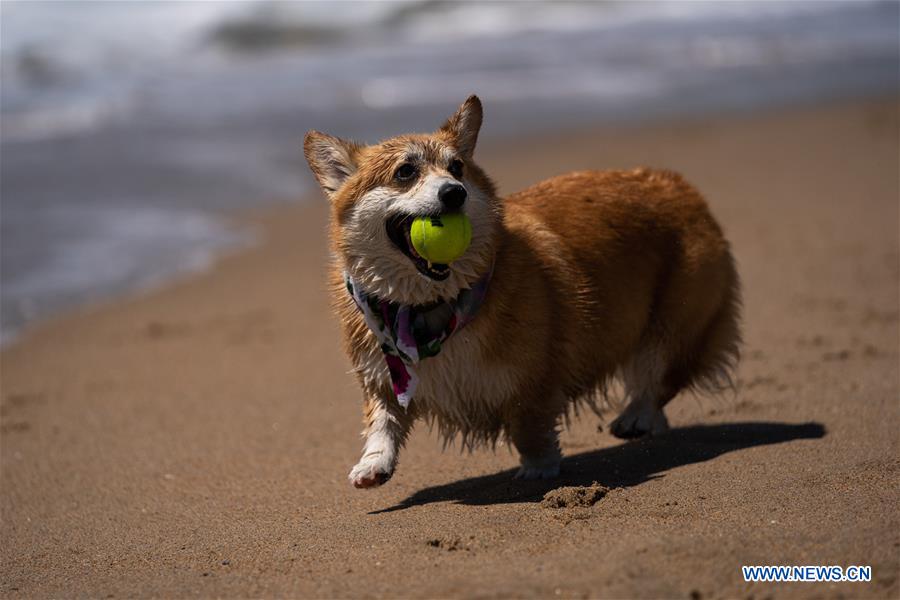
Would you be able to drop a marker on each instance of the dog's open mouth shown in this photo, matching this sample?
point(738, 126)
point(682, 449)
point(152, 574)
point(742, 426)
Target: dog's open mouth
point(398, 231)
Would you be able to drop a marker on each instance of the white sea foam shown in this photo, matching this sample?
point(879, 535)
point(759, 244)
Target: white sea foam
point(122, 124)
point(120, 249)
point(73, 67)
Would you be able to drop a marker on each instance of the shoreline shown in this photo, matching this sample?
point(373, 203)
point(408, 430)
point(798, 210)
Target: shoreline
point(236, 224)
point(196, 439)
point(233, 236)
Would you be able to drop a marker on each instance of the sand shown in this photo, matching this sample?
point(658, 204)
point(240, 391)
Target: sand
point(195, 441)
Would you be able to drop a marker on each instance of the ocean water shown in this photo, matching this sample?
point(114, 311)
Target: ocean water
point(128, 129)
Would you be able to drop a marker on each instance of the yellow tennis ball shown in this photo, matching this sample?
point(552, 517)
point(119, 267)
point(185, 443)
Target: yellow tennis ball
point(441, 239)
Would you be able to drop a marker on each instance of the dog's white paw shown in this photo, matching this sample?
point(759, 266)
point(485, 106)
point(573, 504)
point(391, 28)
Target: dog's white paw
point(638, 420)
point(545, 467)
point(546, 472)
point(372, 470)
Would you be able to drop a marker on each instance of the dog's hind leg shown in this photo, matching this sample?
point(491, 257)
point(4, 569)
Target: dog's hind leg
point(387, 427)
point(697, 348)
point(646, 386)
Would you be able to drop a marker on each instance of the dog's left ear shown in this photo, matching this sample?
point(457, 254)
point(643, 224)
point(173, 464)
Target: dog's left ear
point(331, 159)
point(464, 126)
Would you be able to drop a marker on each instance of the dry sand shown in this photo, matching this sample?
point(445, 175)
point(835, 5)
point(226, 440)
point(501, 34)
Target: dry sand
point(195, 441)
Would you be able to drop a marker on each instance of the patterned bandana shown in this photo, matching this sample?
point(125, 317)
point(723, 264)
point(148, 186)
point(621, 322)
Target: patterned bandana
point(409, 334)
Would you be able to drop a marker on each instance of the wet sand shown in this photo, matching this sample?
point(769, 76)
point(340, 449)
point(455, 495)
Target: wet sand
point(195, 441)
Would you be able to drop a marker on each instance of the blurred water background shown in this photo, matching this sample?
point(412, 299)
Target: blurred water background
point(128, 129)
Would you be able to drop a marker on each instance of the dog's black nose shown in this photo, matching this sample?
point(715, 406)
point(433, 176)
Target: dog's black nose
point(452, 195)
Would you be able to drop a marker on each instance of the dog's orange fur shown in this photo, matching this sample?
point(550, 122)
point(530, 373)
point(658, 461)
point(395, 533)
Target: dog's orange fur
point(594, 273)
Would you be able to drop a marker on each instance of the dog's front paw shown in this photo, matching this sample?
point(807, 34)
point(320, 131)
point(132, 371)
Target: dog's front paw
point(547, 472)
point(371, 471)
point(545, 467)
point(637, 421)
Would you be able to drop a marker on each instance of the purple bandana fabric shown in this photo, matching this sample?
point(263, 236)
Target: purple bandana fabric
point(409, 334)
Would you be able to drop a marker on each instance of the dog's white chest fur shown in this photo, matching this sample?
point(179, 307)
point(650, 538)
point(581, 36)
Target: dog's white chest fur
point(458, 384)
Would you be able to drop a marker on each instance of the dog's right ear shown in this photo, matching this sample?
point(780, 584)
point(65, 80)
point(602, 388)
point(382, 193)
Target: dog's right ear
point(331, 159)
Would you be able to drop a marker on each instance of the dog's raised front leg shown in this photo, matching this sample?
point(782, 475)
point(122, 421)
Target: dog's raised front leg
point(387, 425)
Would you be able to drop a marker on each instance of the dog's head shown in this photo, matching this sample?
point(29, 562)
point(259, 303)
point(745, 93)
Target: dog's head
point(376, 191)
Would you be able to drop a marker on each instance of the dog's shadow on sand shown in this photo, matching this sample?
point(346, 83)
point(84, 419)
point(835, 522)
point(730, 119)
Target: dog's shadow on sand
point(625, 465)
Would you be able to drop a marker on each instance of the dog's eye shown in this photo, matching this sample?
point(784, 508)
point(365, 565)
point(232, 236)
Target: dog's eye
point(456, 168)
point(405, 172)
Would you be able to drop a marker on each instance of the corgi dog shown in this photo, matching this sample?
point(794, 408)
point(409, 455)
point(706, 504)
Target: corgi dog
point(565, 285)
